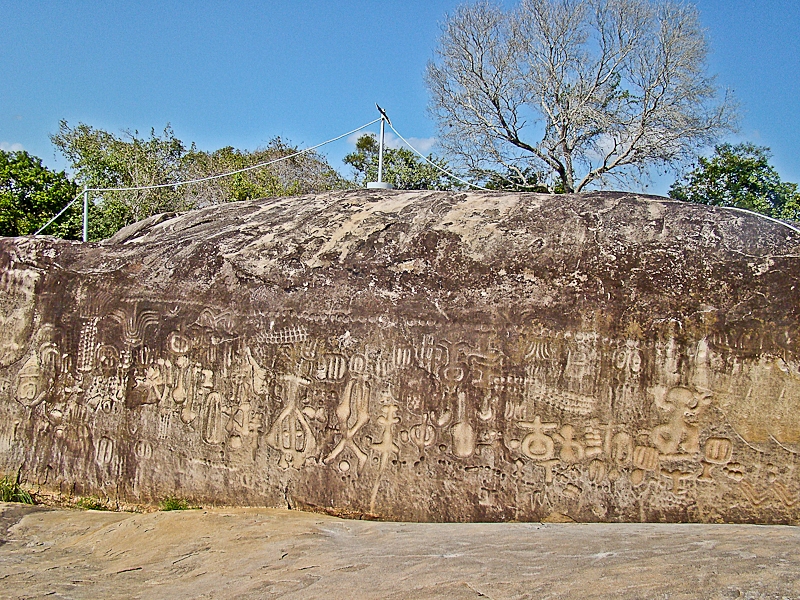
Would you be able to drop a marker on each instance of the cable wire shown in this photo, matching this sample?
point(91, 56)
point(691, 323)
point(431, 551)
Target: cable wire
point(734, 208)
point(229, 173)
point(429, 161)
point(202, 179)
point(61, 212)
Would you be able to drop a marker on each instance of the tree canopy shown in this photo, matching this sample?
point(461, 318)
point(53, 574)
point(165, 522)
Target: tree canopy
point(30, 194)
point(586, 91)
point(100, 159)
point(740, 176)
point(401, 167)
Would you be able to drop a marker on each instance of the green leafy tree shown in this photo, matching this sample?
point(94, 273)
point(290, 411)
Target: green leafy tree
point(740, 176)
point(100, 159)
point(401, 167)
point(302, 174)
point(516, 180)
point(31, 194)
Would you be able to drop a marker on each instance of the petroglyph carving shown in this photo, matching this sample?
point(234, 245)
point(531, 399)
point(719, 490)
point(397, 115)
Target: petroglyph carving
point(36, 381)
point(352, 414)
point(291, 433)
point(644, 459)
point(423, 434)
point(537, 445)
point(331, 367)
point(682, 407)
point(218, 321)
point(153, 385)
point(213, 426)
point(30, 388)
point(628, 357)
point(178, 343)
point(678, 478)
point(243, 426)
point(464, 439)
point(134, 324)
point(290, 335)
point(87, 345)
point(105, 451)
point(572, 450)
point(718, 451)
point(387, 446)
point(501, 378)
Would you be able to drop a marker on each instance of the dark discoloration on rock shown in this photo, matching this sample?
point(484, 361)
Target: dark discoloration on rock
point(411, 355)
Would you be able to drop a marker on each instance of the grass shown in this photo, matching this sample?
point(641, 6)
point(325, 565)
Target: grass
point(12, 491)
point(91, 503)
point(173, 503)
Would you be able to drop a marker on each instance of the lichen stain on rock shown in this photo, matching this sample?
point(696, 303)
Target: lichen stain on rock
point(414, 355)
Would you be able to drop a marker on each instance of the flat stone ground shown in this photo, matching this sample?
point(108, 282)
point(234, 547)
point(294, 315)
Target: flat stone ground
point(266, 553)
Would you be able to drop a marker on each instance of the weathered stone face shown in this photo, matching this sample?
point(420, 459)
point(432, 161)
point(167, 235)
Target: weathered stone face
point(412, 355)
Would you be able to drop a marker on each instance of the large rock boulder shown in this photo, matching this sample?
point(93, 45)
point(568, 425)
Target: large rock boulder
point(415, 355)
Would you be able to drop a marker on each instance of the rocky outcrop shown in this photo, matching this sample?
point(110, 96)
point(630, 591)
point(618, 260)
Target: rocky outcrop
point(415, 355)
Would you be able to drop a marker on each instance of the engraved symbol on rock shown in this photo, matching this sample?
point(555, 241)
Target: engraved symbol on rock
point(36, 380)
point(332, 367)
point(291, 433)
point(644, 459)
point(28, 385)
point(718, 451)
point(144, 449)
point(105, 451)
point(386, 447)
point(423, 434)
point(677, 476)
point(134, 324)
point(87, 345)
point(464, 438)
point(243, 424)
point(178, 343)
point(353, 414)
point(213, 431)
point(571, 449)
point(683, 406)
point(155, 385)
point(537, 445)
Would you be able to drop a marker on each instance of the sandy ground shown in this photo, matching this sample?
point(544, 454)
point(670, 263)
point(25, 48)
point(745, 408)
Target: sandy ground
point(266, 553)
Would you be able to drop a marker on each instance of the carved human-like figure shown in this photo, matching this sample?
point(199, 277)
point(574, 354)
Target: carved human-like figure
point(681, 432)
point(353, 414)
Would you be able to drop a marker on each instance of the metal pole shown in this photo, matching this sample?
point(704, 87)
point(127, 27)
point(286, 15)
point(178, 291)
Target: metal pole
point(85, 215)
point(380, 153)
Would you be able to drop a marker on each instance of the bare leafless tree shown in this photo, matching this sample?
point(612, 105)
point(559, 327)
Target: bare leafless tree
point(588, 91)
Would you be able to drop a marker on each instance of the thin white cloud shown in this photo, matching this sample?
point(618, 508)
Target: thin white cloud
point(424, 145)
point(9, 147)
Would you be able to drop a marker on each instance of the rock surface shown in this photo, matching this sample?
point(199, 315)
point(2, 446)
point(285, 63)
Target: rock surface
point(422, 356)
point(270, 553)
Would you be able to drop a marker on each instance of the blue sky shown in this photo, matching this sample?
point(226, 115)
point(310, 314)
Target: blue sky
point(240, 73)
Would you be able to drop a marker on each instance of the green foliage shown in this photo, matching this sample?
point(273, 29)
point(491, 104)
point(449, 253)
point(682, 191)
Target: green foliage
point(740, 176)
point(302, 174)
point(401, 167)
point(11, 490)
point(31, 194)
point(519, 180)
point(173, 503)
point(91, 503)
point(100, 159)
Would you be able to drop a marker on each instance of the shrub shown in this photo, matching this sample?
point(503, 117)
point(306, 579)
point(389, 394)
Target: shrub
point(91, 503)
point(173, 503)
point(11, 490)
